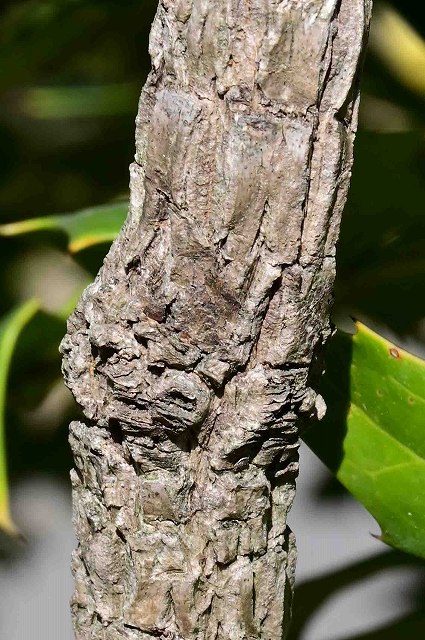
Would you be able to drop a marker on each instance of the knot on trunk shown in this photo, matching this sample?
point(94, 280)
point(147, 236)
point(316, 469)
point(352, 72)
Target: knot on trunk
point(180, 401)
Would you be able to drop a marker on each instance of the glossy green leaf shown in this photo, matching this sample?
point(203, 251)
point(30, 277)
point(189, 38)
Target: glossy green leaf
point(373, 436)
point(83, 229)
point(10, 328)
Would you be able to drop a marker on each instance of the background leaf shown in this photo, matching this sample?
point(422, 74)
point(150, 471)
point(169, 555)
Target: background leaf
point(372, 436)
point(406, 60)
point(96, 225)
point(10, 329)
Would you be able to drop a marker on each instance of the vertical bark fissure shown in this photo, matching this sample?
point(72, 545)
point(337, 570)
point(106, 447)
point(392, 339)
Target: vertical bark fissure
point(193, 353)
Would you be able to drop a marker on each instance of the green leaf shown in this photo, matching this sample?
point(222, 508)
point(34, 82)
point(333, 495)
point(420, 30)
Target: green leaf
point(83, 229)
point(10, 328)
point(36, 363)
point(373, 436)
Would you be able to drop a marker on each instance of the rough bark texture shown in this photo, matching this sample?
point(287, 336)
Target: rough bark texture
point(193, 353)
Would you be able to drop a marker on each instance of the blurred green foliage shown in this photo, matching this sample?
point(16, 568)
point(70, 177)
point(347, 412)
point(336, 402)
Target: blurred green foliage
point(11, 327)
point(72, 71)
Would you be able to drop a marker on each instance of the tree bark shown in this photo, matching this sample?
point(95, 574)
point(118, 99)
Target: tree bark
point(195, 352)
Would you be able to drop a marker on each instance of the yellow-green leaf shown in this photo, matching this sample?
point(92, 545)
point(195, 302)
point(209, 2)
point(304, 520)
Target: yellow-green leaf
point(373, 435)
point(10, 328)
point(83, 229)
point(406, 60)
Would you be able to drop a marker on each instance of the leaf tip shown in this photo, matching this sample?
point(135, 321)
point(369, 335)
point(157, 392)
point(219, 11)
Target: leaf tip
point(377, 536)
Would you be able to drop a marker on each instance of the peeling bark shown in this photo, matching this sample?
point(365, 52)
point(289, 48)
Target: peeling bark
point(194, 354)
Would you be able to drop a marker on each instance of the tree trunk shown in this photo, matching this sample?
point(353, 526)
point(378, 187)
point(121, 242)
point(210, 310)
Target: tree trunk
point(195, 352)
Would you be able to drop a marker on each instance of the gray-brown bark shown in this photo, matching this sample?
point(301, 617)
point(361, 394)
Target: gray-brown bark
point(193, 353)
